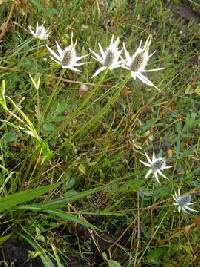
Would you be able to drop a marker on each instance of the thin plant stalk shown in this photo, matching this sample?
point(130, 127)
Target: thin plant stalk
point(79, 110)
point(89, 124)
point(53, 94)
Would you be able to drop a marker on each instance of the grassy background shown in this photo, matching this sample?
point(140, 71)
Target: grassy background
point(82, 170)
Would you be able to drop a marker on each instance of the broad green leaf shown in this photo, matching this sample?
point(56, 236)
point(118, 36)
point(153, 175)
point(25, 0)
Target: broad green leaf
point(71, 198)
point(9, 137)
point(112, 263)
point(10, 201)
point(131, 185)
point(48, 128)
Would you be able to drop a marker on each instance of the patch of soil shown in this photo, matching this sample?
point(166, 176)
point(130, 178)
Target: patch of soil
point(185, 11)
point(14, 252)
point(76, 262)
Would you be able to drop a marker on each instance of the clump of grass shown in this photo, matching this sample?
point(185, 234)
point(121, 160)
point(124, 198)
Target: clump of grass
point(72, 185)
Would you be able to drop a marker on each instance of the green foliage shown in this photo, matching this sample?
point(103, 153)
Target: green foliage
point(112, 263)
point(10, 201)
point(72, 185)
point(43, 255)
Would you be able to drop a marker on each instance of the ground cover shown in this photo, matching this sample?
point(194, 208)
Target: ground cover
point(72, 184)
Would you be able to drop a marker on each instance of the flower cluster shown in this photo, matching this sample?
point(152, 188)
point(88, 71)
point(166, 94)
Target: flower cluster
point(156, 165)
point(110, 58)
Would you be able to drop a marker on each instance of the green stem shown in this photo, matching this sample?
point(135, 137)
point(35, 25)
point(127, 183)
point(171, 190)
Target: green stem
point(94, 120)
point(78, 111)
point(38, 112)
point(53, 94)
point(38, 93)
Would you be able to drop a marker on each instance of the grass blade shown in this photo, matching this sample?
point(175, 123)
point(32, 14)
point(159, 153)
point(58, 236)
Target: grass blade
point(71, 198)
point(44, 257)
point(10, 201)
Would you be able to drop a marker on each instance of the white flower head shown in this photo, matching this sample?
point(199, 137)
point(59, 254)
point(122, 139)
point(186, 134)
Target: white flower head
point(156, 166)
point(40, 32)
point(110, 58)
point(67, 57)
point(138, 61)
point(183, 202)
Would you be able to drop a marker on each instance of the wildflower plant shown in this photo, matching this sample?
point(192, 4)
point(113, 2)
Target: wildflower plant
point(156, 165)
point(110, 58)
point(40, 32)
point(138, 61)
point(75, 141)
point(183, 202)
point(67, 57)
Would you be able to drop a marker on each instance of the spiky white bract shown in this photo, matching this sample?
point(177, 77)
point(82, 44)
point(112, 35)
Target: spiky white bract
point(110, 58)
point(156, 165)
point(138, 61)
point(183, 202)
point(67, 57)
point(40, 32)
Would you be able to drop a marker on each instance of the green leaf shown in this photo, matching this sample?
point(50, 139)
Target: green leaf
point(9, 137)
point(131, 185)
point(46, 152)
point(48, 128)
point(10, 201)
point(162, 192)
point(25, 117)
point(35, 81)
point(69, 217)
point(82, 168)
point(155, 256)
point(71, 198)
point(4, 238)
point(66, 216)
point(43, 255)
point(112, 263)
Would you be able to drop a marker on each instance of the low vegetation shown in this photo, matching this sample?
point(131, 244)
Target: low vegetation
point(76, 149)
